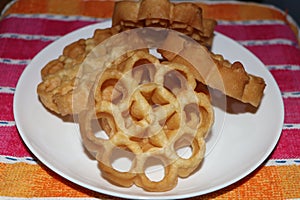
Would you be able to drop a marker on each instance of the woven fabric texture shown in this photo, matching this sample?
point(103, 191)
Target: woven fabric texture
point(28, 26)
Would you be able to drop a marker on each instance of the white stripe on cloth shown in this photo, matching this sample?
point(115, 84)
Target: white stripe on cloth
point(284, 67)
point(282, 162)
point(7, 90)
point(251, 22)
point(7, 123)
point(55, 17)
point(291, 126)
point(15, 61)
point(12, 160)
point(278, 41)
point(295, 94)
point(28, 37)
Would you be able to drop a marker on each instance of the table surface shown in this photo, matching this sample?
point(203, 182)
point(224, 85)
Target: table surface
point(28, 26)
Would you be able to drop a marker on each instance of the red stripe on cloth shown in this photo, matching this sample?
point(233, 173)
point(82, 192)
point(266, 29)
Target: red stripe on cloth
point(287, 80)
point(43, 26)
point(257, 32)
point(20, 48)
point(288, 146)
point(11, 143)
point(276, 54)
point(10, 74)
point(292, 108)
point(6, 107)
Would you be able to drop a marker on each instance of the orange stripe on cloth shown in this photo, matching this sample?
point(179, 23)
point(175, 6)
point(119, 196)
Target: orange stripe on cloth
point(99, 9)
point(104, 9)
point(224, 11)
point(275, 182)
point(245, 11)
point(26, 180)
point(240, 11)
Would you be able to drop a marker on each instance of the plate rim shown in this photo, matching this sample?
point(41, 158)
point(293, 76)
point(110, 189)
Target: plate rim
point(121, 194)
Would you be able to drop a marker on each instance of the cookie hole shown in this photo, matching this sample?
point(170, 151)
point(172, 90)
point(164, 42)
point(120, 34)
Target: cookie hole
point(121, 159)
point(192, 114)
point(97, 129)
point(127, 118)
point(183, 147)
point(143, 70)
point(154, 169)
point(171, 80)
point(174, 81)
point(118, 94)
point(185, 152)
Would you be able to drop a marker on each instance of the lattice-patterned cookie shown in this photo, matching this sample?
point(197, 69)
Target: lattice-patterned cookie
point(149, 110)
point(183, 17)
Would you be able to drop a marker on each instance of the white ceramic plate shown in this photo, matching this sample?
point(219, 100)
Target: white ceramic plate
point(238, 144)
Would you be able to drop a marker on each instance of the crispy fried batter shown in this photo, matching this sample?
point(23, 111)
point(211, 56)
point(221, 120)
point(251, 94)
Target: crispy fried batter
point(213, 70)
point(58, 76)
point(150, 110)
point(183, 17)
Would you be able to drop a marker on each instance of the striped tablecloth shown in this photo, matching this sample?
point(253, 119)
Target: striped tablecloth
point(27, 26)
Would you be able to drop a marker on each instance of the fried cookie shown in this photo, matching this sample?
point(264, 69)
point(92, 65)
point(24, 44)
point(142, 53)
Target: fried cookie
point(59, 75)
point(213, 70)
point(184, 17)
point(147, 109)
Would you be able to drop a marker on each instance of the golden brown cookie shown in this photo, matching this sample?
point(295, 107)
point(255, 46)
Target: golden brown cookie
point(183, 17)
point(58, 76)
point(213, 70)
point(148, 110)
